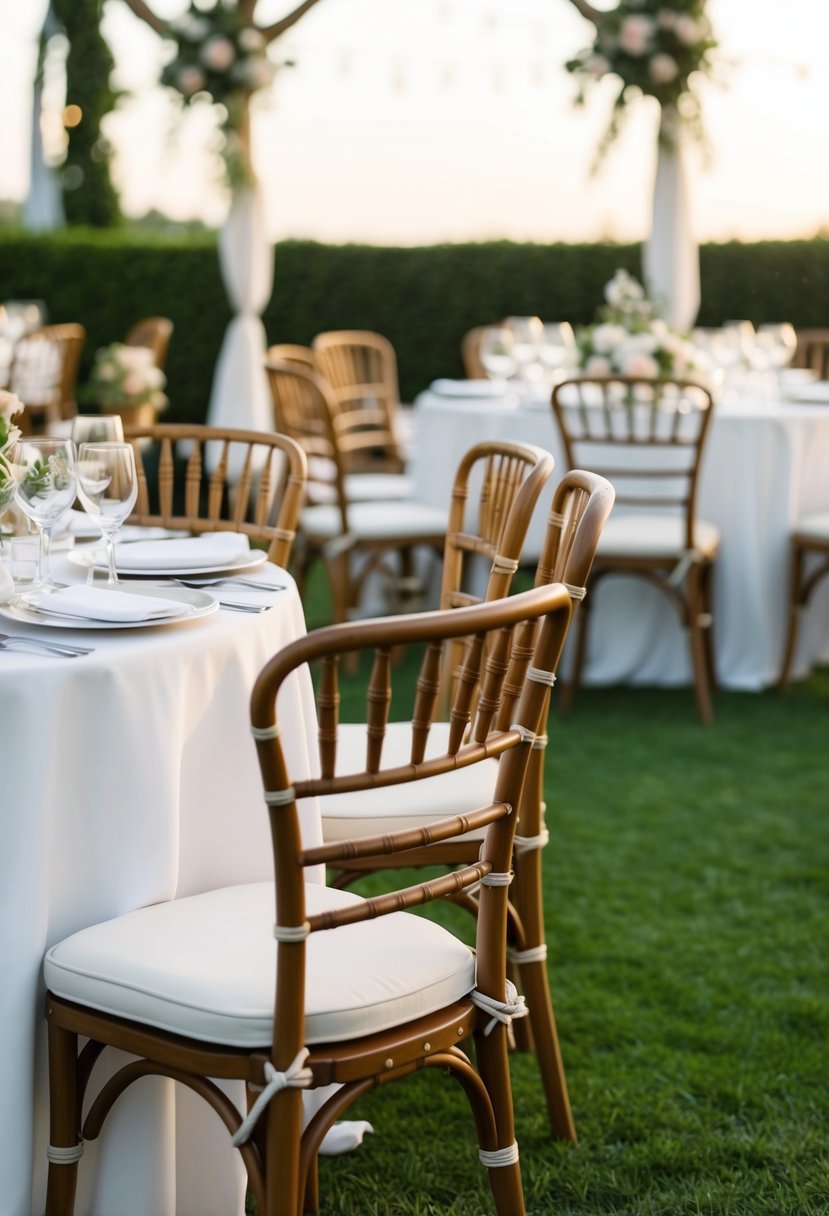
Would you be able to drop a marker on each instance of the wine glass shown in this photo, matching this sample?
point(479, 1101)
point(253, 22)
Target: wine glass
point(97, 428)
point(527, 337)
point(108, 489)
point(557, 349)
point(45, 488)
point(779, 340)
point(496, 353)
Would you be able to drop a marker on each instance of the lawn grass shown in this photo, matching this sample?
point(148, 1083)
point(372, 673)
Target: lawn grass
point(687, 899)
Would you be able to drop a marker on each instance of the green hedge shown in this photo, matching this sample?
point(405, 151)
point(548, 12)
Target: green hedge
point(423, 299)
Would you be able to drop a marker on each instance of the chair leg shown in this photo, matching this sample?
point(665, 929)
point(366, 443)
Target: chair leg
point(795, 611)
point(282, 1140)
point(312, 1188)
point(493, 1067)
point(708, 611)
point(64, 1132)
point(694, 608)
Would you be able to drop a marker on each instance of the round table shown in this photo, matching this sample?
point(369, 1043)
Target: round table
point(129, 776)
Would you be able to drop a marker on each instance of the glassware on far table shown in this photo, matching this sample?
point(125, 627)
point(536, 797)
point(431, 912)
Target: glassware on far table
point(557, 352)
point(527, 337)
point(496, 353)
point(97, 428)
point(779, 342)
point(108, 489)
point(46, 487)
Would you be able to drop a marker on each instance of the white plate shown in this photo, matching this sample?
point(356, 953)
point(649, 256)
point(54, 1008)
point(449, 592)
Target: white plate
point(811, 394)
point(201, 602)
point(469, 388)
point(97, 557)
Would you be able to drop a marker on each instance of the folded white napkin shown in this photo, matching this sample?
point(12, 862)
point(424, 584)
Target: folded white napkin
point(192, 553)
point(100, 604)
point(810, 394)
point(469, 388)
point(6, 585)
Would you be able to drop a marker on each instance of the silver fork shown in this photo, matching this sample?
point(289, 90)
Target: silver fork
point(38, 646)
point(240, 584)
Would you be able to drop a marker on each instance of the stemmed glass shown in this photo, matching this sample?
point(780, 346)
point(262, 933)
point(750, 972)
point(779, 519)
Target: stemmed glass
point(97, 428)
point(108, 489)
point(45, 488)
point(779, 342)
point(527, 337)
point(496, 353)
point(557, 351)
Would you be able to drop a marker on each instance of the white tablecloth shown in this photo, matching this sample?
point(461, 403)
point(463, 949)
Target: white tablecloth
point(764, 467)
point(128, 776)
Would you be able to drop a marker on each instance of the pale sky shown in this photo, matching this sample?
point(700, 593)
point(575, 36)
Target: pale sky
point(414, 121)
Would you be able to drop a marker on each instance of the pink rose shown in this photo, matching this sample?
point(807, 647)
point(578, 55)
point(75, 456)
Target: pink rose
point(133, 384)
point(218, 53)
point(662, 69)
point(638, 364)
point(635, 34)
point(597, 365)
point(686, 29)
point(190, 80)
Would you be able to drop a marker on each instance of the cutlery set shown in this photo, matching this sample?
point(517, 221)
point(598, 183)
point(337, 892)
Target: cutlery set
point(15, 641)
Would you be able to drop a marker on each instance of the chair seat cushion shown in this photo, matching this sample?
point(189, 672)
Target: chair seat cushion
point(412, 805)
point(377, 521)
point(366, 487)
point(813, 527)
point(654, 536)
point(205, 967)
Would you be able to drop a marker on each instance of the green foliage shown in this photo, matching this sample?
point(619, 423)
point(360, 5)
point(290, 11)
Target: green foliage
point(423, 299)
point(88, 194)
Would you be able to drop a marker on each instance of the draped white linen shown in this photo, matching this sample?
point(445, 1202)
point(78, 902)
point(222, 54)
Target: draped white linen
point(670, 255)
point(43, 207)
point(240, 396)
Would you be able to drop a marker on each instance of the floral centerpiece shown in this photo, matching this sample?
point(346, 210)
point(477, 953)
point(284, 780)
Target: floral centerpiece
point(651, 47)
point(220, 59)
point(629, 339)
point(125, 378)
point(10, 407)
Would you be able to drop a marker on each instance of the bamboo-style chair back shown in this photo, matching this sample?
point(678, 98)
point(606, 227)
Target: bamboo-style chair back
point(220, 480)
point(471, 353)
point(291, 352)
point(645, 435)
point(305, 410)
point(154, 333)
point(44, 373)
point(521, 637)
point(813, 351)
point(361, 368)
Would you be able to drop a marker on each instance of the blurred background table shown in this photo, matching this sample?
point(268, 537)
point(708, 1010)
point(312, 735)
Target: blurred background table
point(764, 466)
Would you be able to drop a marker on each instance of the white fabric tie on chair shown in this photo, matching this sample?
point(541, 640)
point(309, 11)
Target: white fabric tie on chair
point(539, 676)
point(296, 1076)
point(575, 593)
point(499, 1157)
point(527, 735)
point(504, 565)
point(59, 1155)
point(534, 954)
point(526, 844)
point(686, 561)
point(501, 1011)
point(280, 797)
point(265, 733)
point(494, 879)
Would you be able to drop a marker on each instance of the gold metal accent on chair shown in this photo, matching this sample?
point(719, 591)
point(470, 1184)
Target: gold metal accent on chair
point(423, 1027)
point(647, 436)
point(44, 374)
point(581, 505)
point(813, 351)
point(153, 333)
point(361, 368)
point(224, 480)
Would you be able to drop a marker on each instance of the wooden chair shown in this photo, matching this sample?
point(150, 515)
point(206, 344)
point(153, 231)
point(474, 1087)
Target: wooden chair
point(361, 368)
point(580, 508)
point(229, 480)
point(291, 352)
point(155, 334)
point(44, 374)
point(809, 566)
point(647, 436)
point(379, 533)
point(470, 353)
point(345, 996)
point(813, 351)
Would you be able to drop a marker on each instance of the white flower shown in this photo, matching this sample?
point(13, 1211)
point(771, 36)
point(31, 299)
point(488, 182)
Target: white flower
point(644, 343)
point(635, 34)
point(606, 337)
point(639, 365)
point(597, 66)
point(686, 29)
point(622, 289)
point(662, 68)
point(253, 73)
point(598, 366)
point(251, 40)
point(10, 405)
point(218, 53)
point(190, 80)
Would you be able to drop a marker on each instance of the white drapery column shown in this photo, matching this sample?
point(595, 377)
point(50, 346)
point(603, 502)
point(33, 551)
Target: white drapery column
point(43, 208)
point(671, 255)
point(240, 396)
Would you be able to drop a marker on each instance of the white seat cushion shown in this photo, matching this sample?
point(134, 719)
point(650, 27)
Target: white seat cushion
point(813, 527)
point(376, 521)
point(413, 805)
point(367, 487)
point(205, 967)
point(654, 536)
